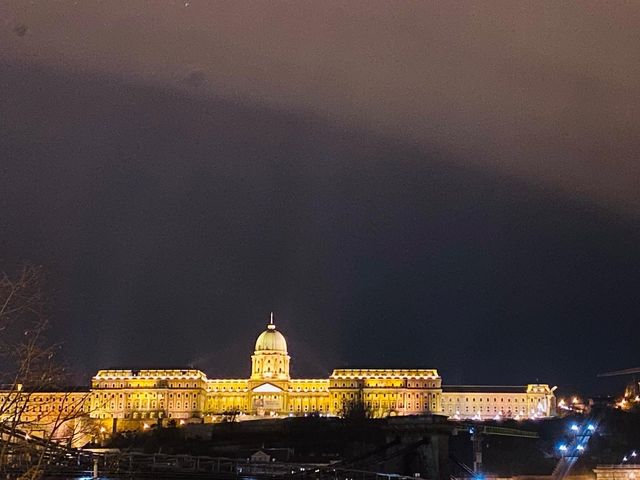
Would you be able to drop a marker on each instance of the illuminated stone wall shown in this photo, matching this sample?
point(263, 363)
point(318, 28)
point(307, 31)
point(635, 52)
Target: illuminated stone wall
point(148, 395)
point(617, 472)
point(387, 391)
point(481, 403)
point(55, 415)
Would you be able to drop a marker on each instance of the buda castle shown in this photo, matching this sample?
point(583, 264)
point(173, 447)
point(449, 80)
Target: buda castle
point(128, 399)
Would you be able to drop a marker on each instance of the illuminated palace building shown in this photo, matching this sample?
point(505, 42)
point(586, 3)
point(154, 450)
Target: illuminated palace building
point(131, 398)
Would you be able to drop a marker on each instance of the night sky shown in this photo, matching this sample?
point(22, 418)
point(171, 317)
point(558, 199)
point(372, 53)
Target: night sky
point(438, 185)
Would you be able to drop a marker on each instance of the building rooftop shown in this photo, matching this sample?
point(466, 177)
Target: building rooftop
point(484, 388)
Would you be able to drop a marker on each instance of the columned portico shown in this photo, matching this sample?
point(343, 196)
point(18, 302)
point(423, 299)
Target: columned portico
point(268, 399)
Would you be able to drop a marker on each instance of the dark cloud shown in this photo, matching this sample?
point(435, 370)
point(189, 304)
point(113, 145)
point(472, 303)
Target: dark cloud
point(544, 92)
point(437, 184)
point(195, 79)
point(21, 30)
point(172, 225)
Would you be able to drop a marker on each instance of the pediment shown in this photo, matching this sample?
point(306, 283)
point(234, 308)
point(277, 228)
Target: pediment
point(267, 388)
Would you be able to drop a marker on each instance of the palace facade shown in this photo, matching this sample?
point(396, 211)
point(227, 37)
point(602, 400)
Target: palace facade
point(128, 399)
point(136, 399)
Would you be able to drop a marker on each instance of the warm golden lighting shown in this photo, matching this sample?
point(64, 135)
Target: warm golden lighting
point(137, 399)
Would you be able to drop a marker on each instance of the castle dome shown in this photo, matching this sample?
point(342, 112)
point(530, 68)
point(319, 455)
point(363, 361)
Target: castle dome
point(271, 339)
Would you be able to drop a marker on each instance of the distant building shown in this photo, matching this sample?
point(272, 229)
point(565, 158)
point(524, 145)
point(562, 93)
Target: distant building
point(144, 396)
point(498, 402)
point(57, 415)
point(617, 472)
point(260, 457)
point(135, 399)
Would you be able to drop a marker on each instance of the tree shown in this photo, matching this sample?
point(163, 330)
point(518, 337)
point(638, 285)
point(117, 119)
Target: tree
point(355, 409)
point(35, 410)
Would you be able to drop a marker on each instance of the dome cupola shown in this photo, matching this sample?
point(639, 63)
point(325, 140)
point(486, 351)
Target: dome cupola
point(271, 340)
